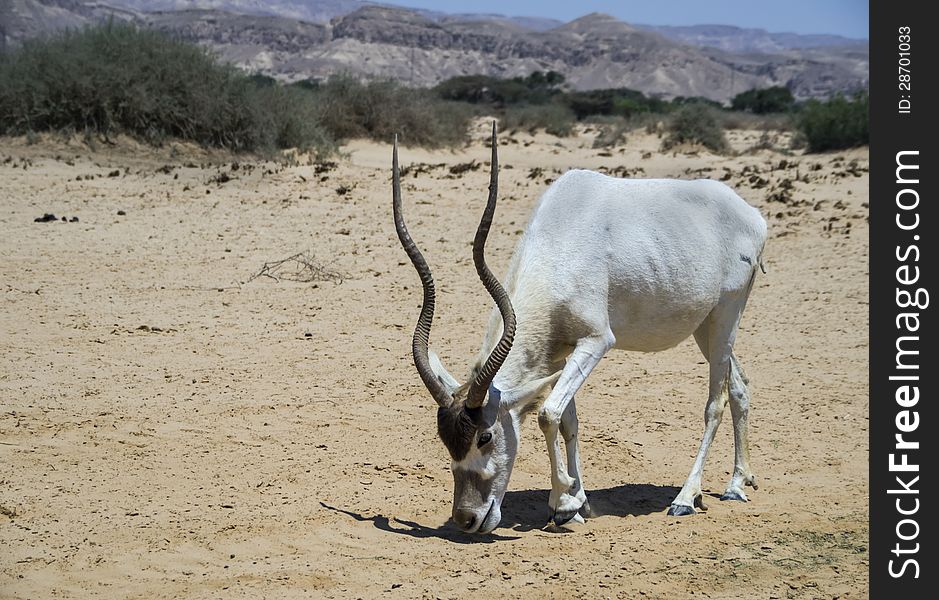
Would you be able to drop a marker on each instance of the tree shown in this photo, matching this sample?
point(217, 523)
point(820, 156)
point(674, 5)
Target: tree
point(761, 101)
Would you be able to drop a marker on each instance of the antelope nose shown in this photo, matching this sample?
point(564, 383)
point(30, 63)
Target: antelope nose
point(465, 519)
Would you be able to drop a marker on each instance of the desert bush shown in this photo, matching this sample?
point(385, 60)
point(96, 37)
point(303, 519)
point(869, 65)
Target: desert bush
point(696, 124)
point(381, 108)
point(114, 78)
point(476, 89)
point(555, 119)
point(770, 140)
point(622, 102)
point(262, 80)
point(294, 119)
point(733, 119)
point(683, 100)
point(836, 123)
point(611, 131)
point(539, 87)
point(308, 84)
point(774, 99)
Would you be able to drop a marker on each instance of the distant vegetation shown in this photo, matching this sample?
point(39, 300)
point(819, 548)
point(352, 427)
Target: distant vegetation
point(763, 101)
point(696, 124)
point(379, 109)
point(538, 88)
point(835, 124)
point(115, 78)
point(547, 87)
point(540, 101)
point(556, 119)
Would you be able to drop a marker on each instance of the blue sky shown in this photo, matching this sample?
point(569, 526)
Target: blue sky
point(849, 18)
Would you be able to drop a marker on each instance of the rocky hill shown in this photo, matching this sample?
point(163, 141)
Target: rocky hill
point(739, 39)
point(292, 39)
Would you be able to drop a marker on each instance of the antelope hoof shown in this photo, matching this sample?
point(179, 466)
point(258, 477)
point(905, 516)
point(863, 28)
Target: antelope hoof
point(585, 510)
point(680, 510)
point(734, 495)
point(563, 517)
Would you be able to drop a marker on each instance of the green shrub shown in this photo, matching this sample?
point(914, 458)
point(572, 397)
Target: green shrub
point(683, 100)
point(555, 119)
point(115, 78)
point(835, 124)
point(294, 119)
point(622, 102)
point(695, 124)
point(262, 80)
point(539, 87)
point(761, 101)
point(306, 84)
point(381, 108)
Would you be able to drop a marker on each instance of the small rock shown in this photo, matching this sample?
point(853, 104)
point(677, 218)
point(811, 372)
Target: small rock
point(46, 218)
point(121, 213)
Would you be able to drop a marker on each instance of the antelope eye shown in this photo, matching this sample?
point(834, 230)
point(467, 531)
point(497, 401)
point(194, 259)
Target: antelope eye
point(484, 439)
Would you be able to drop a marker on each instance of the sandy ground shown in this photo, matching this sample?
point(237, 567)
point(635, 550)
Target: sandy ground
point(170, 427)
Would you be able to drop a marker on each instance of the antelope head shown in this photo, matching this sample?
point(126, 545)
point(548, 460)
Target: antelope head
point(474, 420)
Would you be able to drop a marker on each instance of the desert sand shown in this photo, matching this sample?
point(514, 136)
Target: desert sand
point(171, 427)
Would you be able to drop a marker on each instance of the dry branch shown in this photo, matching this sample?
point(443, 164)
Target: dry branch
point(302, 267)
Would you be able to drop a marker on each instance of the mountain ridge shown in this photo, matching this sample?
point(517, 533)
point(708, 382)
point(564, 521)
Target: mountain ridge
point(423, 47)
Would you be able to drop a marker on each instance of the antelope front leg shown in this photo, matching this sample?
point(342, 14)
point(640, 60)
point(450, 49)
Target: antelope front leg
point(565, 500)
point(563, 505)
point(570, 429)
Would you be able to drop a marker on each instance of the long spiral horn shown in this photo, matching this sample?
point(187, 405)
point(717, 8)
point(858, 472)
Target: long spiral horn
point(421, 341)
point(480, 385)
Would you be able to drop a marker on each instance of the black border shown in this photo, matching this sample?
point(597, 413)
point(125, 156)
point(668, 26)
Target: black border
point(892, 132)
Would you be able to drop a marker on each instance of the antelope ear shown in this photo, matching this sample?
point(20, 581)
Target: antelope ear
point(492, 407)
point(444, 376)
point(524, 393)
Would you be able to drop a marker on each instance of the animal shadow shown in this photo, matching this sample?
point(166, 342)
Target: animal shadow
point(409, 528)
point(526, 510)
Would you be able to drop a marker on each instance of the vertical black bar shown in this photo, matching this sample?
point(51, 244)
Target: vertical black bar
point(903, 368)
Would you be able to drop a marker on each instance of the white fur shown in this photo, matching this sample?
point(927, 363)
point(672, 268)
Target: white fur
point(632, 264)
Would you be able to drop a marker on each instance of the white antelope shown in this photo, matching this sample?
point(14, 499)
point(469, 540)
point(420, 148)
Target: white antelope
point(633, 264)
